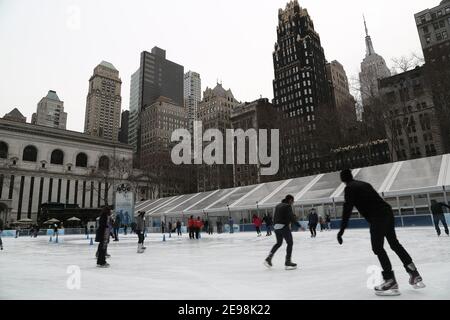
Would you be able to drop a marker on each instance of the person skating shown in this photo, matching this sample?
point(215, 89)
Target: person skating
point(269, 223)
point(198, 224)
point(438, 216)
point(328, 222)
point(102, 237)
point(140, 225)
point(179, 228)
point(283, 218)
point(380, 217)
point(125, 227)
point(1, 230)
point(116, 226)
point(231, 224)
point(206, 226)
point(191, 227)
point(257, 222)
point(313, 219)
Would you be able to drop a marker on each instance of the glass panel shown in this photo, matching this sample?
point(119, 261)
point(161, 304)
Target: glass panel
point(205, 203)
point(324, 188)
point(164, 205)
point(152, 205)
point(194, 200)
point(406, 206)
point(293, 188)
point(233, 197)
point(418, 174)
point(373, 175)
point(421, 204)
point(259, 194)
point(439, 197)
point(394, 204)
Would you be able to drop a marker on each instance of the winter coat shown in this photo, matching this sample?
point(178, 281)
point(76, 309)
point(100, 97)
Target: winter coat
point(178, 224)
point(191, 223)
point(198, 224)
point(257, 222)
point(140, 225)
point(268, 220)
point(285, 215)
point(103, 231)
point(313, 218)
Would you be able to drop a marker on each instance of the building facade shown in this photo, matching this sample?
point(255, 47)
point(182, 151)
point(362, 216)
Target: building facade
point(301, 92)
point(50, 112)
point(103, 104)
point(157, 122)
point(433, 26)
point(40, 165)
point(412, 126)
point(124, 127)
point(192, 96)
point(214, 111)
point(15, 115)
point(259, 114)
point(133, 123)
point(373, 68)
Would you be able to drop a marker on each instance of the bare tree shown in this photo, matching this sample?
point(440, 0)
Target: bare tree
point(405, 63)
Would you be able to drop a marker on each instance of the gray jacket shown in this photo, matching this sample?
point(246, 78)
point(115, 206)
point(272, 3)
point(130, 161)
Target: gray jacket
point(140, 224)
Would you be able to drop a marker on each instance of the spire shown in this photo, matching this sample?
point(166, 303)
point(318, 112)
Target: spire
point(369, 45)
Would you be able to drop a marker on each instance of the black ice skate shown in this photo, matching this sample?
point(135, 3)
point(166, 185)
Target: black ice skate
point(289, 265)
point(414, 277)
point(106, 265)
point(268, 262)
point(388, 288)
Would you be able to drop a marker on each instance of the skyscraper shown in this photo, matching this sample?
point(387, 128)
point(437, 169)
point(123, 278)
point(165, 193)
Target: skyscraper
point(301, 91)
point(103, 105)
point(373, 68)
point(192, 96)
point(433, 26)
point(50, 112)
point(124, 126)
point(134, 109)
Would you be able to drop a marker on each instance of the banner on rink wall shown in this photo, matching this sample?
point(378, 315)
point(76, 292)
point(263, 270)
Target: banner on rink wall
point(447, 218)
point(124, 206)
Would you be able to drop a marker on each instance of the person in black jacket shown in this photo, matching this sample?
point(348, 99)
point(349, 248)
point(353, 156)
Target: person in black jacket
point(283, 217)
point(102, 237)
point(1, 230)
point(379, 215)
point(313, 220)
point(438, 215)
point(269, 223)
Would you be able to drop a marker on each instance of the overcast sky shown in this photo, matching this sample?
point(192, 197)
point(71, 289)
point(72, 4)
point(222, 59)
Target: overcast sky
point(55, 44)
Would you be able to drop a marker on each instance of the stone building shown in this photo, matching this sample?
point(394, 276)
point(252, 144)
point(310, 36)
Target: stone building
point(259, 114)
point(41, 165)
point(104, 101)
point(412, 126)
point(15, 115)
point(50, 112)
point(214, 111)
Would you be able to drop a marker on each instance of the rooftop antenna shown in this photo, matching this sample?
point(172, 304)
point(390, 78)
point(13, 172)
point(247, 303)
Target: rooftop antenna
point(365, 26)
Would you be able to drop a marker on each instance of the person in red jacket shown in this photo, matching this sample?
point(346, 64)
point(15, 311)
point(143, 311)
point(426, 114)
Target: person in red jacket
point(258, 223)
point(198, 226)
point(191, 227)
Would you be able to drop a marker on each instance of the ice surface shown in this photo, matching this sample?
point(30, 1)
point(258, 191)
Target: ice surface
point(219, 267)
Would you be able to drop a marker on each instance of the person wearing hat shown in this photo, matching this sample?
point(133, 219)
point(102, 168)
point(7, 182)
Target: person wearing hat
point(140, 225)
point(380, 217)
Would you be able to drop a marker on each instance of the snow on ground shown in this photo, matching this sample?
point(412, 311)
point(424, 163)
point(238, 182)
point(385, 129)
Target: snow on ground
point(219, 267)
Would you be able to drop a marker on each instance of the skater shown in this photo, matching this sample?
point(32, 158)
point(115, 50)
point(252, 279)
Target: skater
point(210, 229)
point(257, 222)
point(322, 224)
point(328, 222)
point(283, 218)
point(116, 226)
point(380, 216)
point(438, 215)
point(179, 228)
point(219, 225)
point(206, 226)
point(163, 227)
point(170, 227)
point(86, 231)
point(191, 227)
point(231, 223)
point(313, 219)
point(1, 230)
point(198, 224)
point(140, 226)
point(125, 227)
point(55, 231)
point(102, 237)
point(269, 223)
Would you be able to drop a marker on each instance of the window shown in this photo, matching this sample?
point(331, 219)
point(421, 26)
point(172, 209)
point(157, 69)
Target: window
point(81, 160)
point(30, 154)
point(57, 157)
point(103, 163)
point(3, 150)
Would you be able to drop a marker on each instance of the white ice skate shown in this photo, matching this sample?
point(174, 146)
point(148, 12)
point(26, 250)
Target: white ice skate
point(140, 249)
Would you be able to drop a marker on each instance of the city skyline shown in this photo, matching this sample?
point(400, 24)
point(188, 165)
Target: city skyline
point(245, 65)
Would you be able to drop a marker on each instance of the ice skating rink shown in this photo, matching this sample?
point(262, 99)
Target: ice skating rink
point(218, 267)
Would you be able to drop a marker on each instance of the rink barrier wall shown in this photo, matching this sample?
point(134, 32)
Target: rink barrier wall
point(425, 220)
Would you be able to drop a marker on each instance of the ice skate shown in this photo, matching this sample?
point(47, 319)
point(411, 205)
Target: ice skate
point(289, 265)
point(388, 288)
point(106, 265)
point(140, 249)
point(414, 277)
point(268, 262)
